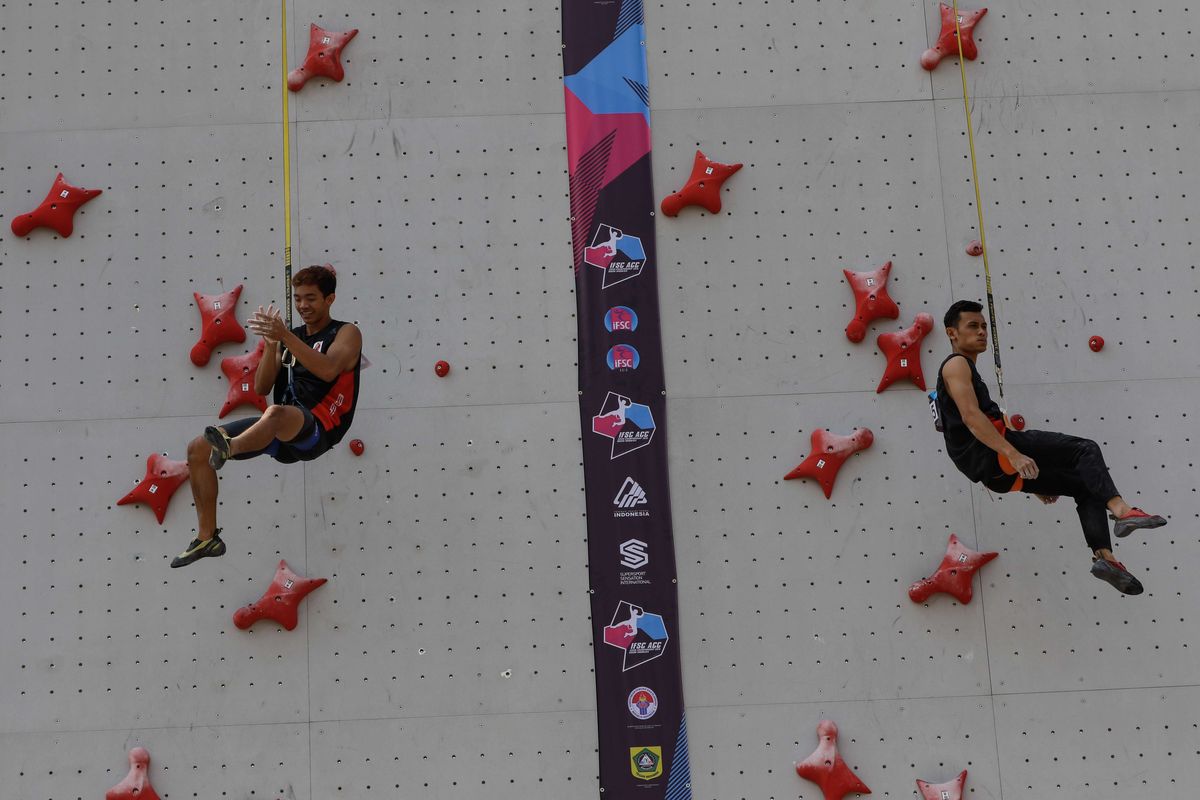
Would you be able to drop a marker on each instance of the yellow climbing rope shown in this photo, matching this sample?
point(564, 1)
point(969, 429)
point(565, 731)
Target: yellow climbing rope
point(987, 273)
point(287, 176)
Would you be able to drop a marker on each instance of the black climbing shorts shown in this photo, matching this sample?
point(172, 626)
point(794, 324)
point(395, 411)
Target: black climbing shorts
point(312, 441)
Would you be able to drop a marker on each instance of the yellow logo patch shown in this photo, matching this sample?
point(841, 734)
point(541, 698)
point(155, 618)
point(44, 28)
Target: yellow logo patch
point(645, 762)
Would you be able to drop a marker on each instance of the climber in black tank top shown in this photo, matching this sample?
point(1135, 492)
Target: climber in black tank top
point(1044, 463)
point(312, 372)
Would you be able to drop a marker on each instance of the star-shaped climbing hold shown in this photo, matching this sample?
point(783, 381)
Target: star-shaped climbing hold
point(218, 324)
point(871, 300)
point(703, 187)
point(162, 478)
point(240, 372)
point(136, 784)
point(951, 790)
point(946, 44)
point(829, 452)
point(826, 768)
point(953, 575)
point(324, 57)
point(57, 211)
point(280, 602)
point(903, 353)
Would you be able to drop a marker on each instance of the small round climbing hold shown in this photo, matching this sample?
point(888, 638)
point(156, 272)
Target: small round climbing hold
point(442, 368)
point(1018, 422)
point(1096, 343)
point(357, 447)
point(975, 248)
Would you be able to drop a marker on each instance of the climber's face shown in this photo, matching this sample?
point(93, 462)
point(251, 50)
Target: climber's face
point(970, 335)
point(311, 305)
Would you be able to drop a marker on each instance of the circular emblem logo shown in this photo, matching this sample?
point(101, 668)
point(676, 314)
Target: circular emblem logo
point(623, 357)
point(643, 703)
point(621, 318)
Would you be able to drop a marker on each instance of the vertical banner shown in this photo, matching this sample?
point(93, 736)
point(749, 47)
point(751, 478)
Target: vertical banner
point(631, 553)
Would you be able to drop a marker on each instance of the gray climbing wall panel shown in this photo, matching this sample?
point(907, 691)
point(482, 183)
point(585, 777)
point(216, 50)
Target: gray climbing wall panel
point(449, 655)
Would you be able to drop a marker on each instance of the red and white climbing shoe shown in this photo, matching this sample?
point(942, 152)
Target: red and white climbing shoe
point(1114, 572)
point(1135, 520)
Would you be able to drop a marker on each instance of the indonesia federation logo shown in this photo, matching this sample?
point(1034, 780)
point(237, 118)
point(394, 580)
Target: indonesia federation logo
point(620, 318)
point(645, 762)
point(643, 636)
point(620, 255)
point(630, 425)
point(629, 497)
point(623, 358)
point(642, 702)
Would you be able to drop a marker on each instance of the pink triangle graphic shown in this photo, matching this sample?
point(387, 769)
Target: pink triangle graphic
point(585, 130)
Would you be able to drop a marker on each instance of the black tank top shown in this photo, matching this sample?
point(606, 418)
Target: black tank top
point(972, 457)
point(331, 402)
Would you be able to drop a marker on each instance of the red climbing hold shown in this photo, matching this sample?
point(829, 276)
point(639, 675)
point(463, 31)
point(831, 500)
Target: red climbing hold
point(946, 44)
point(357, 447)
point(240, 372)
point(703, 188)
point(953, 575)
point(441, 369)
point(162, 478)
point(1096, 343)
point(951, 790)
point(280, 602)
point(57, 211)
point(903, 353)
point(136, 785)
point(1017, 422)
point(324, 57)
point(829, 452)
point(975, 248)
point(218, 324)
point(826, 768)
point(871, 300)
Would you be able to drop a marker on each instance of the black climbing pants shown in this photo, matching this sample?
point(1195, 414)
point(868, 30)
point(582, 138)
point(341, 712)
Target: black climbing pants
point(1068, 466)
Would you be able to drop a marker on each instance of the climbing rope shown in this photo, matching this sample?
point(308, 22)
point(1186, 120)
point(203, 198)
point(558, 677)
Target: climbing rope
point(987, 273)
point(287, 177)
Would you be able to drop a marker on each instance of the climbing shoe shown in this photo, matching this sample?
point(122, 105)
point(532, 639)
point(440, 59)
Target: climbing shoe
point(1134, 520)
point(1114, 572)
point(219, 442)
point(200, 548)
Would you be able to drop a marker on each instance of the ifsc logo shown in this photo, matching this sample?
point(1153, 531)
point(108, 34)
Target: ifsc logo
point(620, 319)
point(620, 255)
point(641, 635)
point(629, 425)
point(623, 358)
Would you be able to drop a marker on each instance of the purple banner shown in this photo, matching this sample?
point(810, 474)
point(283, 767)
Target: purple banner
point(639, 692)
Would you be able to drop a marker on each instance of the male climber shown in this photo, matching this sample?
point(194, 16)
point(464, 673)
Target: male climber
point(314, 371)
point(1044, 463)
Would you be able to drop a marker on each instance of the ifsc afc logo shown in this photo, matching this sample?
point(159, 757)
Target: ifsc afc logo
point(620, 255)
point(641, 635)
point(628, 424)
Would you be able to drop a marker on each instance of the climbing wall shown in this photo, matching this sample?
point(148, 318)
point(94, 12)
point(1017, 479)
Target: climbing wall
point(449, 655)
